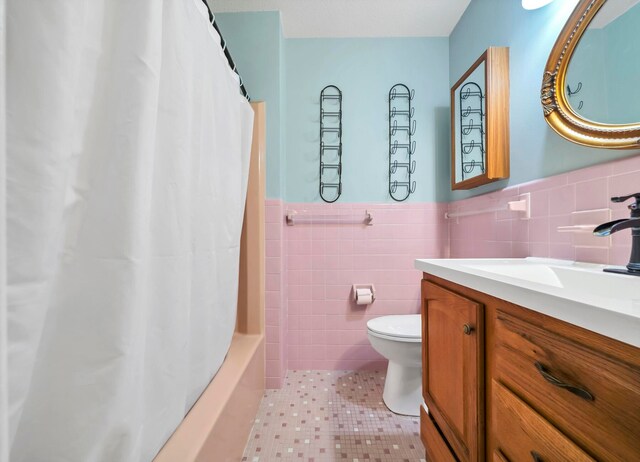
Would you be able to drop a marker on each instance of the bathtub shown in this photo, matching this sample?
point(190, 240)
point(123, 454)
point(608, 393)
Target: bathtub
point(217, 427)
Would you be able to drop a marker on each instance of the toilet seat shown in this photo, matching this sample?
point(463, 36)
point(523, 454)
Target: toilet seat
point(400, 328)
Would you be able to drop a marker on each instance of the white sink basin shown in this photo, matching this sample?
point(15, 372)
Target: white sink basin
point(579, 293)
point(585, 278)
point(527, 271)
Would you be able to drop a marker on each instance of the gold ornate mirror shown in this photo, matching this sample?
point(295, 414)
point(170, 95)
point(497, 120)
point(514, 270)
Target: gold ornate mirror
point(591, 85)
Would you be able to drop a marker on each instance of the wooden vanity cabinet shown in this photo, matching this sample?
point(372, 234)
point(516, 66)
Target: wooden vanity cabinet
point(453, 364)
point(545, 390)
point(585, 385)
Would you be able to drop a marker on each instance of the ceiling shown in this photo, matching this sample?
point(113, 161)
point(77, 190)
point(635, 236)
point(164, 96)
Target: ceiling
point(356, 18)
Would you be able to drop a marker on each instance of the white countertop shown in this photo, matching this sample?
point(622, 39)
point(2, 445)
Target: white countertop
point(578, 293)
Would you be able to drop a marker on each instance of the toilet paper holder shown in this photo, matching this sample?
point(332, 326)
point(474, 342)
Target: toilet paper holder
point(370, 287)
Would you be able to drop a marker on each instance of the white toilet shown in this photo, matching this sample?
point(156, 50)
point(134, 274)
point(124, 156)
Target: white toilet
point(399, 339)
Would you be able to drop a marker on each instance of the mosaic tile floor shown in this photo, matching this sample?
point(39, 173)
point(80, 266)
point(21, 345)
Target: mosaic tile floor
point(323, 416)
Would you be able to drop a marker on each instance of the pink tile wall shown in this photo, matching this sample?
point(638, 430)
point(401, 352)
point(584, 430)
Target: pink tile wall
point(326, 329)
point(553, 199)
point(276, 300)
point(312, 322)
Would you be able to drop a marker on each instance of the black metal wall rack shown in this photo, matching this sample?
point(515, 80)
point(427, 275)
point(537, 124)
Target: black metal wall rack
point(330, 174)
point(402, 146)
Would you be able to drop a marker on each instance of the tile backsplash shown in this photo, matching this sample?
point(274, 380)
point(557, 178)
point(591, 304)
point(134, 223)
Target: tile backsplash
point(327, 330)
point(275, 297)
point(312, 323)
point(581, 197)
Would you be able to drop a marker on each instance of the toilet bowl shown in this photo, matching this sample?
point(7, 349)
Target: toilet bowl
point(399, 339)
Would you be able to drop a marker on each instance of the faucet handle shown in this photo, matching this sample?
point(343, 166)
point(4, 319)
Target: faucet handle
point(624, 198)
point(635, 207)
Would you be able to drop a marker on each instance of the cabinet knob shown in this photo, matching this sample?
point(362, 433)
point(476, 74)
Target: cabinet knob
point(467, 329)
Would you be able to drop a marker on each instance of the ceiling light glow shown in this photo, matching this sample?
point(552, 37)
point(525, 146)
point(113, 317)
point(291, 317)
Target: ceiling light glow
point(534, 4)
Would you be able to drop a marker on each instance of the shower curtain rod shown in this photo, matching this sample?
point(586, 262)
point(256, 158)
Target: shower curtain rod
point(232, 65)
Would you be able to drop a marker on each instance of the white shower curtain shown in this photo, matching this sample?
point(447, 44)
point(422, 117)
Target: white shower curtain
point(127, 162)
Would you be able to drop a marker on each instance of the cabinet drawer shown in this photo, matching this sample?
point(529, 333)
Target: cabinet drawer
point(588, 395)
point(435, 446)
point(523, 435)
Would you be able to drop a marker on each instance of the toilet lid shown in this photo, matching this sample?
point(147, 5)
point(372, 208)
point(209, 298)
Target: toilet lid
point(403, 326)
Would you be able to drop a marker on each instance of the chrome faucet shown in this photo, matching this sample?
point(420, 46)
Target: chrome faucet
point(606, 229)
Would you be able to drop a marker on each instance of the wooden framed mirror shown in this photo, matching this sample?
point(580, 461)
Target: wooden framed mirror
point(480, 122)
point(591, 84)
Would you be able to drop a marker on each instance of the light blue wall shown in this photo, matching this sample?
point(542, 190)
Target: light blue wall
point(536, 150)
point(623, 85)
point(606, 62)
point(587, 67)
point(281, 124)
point(256, 45)
point(365, 70)
point(289, 73)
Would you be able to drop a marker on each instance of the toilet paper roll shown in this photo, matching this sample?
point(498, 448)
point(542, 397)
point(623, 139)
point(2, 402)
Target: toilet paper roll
point(364, 297)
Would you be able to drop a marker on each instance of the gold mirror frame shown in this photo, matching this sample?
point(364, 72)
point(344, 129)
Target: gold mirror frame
point(557, 110)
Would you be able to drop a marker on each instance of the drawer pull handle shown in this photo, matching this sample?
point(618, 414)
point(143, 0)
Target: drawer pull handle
point(536, 457)
point(467, 329)
point(582, 393)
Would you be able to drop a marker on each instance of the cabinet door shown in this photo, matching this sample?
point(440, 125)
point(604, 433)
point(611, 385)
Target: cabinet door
point(453, 369)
